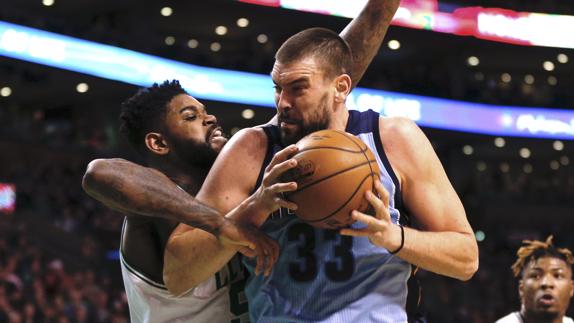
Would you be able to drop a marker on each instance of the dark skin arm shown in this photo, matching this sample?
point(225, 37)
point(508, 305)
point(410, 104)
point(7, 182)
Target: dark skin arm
point(365, 33)
point(143, 191)
point(131, 188)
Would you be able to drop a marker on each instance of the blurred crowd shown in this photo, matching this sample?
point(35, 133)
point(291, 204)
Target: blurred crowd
point(55, 263)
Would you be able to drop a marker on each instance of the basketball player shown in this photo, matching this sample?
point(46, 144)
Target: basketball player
point(322, 276)
point(545, 283)
point(151, 198)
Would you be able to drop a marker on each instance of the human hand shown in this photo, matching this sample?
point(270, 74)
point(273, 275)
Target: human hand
point(380, 229)
point(269, 194)
point(251, 242)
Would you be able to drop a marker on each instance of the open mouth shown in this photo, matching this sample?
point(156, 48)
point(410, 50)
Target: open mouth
point(215, 133)
point(287, 122)
point(547, 300)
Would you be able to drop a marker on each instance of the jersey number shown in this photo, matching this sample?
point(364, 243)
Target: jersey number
point(305, 269)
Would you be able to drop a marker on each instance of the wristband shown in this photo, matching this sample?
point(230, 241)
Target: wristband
point(402, 241)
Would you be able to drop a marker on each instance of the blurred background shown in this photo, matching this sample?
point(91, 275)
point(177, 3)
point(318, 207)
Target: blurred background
point(489, 81)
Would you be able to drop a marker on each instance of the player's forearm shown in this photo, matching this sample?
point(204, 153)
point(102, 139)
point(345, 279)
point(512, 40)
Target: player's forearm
point(451, 254)
point(192, 256)
point(135, 189)
point(366, 32)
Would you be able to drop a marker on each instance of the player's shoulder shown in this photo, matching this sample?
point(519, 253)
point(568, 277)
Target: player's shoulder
point(398, 127)
point(248, 144)
point(567, 319)
point(513, 317)
point(251, 134)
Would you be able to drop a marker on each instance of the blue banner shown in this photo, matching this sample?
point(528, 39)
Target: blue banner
point(140, 69)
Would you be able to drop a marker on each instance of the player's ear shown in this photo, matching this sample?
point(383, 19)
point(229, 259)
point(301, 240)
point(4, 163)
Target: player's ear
point(342, 87)
point(156, 143)
point(521, 289)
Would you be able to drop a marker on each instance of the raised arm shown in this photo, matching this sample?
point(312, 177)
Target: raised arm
point(366, 32)
point(444, 242)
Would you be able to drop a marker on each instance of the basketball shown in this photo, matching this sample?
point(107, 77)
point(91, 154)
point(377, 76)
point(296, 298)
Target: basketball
point(334, 171)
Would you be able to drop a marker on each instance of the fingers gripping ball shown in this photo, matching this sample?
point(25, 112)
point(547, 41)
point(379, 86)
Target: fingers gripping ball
point(334, 171)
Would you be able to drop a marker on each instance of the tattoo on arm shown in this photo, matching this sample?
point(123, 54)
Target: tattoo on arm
point(142, 191)
point(366, 32)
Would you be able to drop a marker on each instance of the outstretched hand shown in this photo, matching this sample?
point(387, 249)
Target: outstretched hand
point(380, 229)
point(251, 242)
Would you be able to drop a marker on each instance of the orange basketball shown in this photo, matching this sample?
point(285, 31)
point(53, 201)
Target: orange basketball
point(334, 171)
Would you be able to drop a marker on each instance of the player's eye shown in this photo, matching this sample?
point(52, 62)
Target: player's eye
point(190, 117)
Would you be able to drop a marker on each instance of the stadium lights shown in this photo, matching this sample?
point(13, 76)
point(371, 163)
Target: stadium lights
point(558, 145)
point(525, 153)
point(529, 79)
point(242, 22)
point(394, 44)
point(481, 166)
point(6, 91)
point(169, 40)
point(48, 3)
point(552, 80)
point(499, 142)
point(467, 150)
point(221, 30)
point(562, 58)
point(473, 61)
point(262, 38)
point(82, 87)
point(193, 43)
point(215, 47)
point(548, 66)
point(248, 114)
point(166, 11)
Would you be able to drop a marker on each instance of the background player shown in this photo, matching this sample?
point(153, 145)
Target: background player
point(545, 285)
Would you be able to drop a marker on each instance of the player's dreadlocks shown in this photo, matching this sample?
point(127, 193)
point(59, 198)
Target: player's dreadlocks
point(534, 249)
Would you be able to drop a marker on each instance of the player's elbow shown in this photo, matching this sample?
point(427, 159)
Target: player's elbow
point(470, 263)
point(95, 174)
point(468, 270)
point(91, 175)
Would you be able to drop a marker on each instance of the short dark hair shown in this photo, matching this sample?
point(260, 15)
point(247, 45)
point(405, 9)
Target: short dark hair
point(145, 111)
point(322, 43)
point(534, 249)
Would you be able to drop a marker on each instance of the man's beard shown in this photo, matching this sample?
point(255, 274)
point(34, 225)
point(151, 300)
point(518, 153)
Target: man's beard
point(542, 315)
point(320, 119)
point(194, 153)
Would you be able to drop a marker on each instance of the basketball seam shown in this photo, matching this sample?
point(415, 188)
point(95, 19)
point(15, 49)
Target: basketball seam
point(364, 151)
point(366, 157)
point(335, 174)
point(344, 204)
point(361, 151)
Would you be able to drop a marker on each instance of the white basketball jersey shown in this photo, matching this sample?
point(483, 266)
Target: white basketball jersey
point(515, 317)
point(219, 299)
